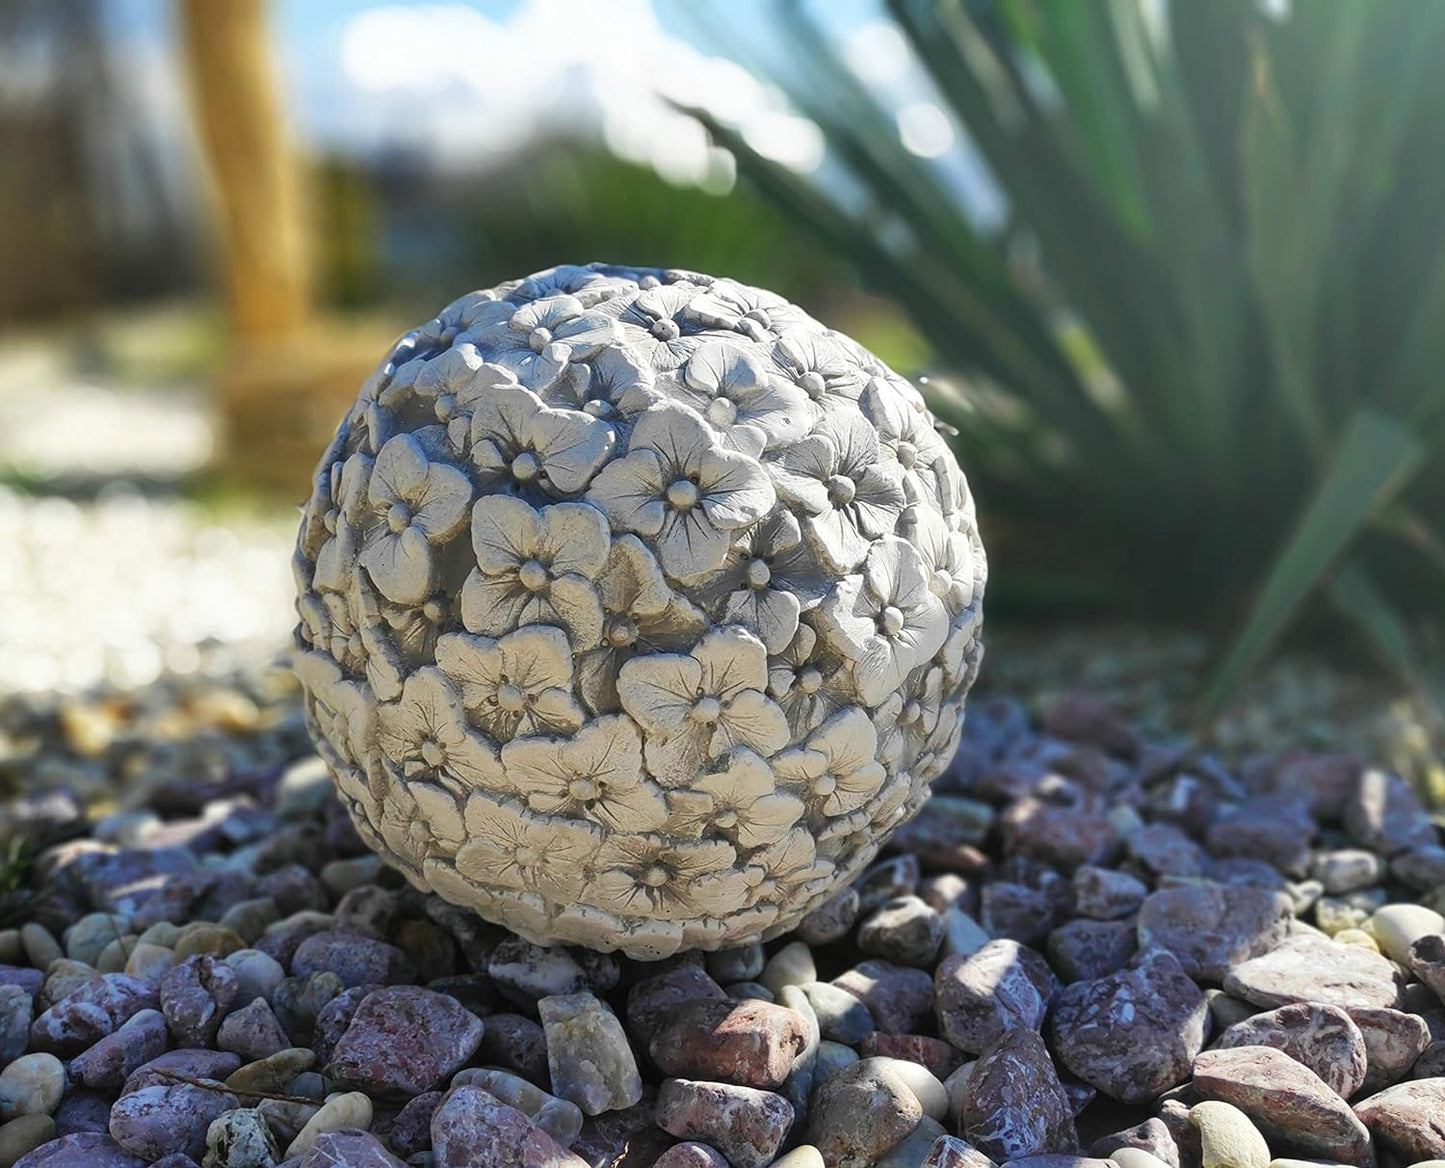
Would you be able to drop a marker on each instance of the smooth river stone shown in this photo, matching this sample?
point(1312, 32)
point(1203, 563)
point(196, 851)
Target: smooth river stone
point(1294, 1108)
point(1315, 969)
point(1323, 1038)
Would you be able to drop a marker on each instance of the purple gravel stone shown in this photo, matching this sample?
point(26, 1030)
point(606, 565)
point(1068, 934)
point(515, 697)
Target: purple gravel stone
point(334, 1019)
point(472, 1128)
point(252, 1032)
point(18, 975)
point(91, 1012)
point(191, 1062)
point(82, 1111)
point(195, 996)
point(355, 959)
point(518, 1044)
point(152, 1121)
point(411, 1130)
point(106, 1064)
point(80, 1150)
point(746, 1125)
point(349, 1149)
point(403, 1040)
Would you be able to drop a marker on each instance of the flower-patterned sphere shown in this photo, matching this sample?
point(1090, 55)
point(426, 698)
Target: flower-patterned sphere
point(637, 608)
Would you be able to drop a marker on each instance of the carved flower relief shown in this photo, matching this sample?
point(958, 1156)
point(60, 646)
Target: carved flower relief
point(910, 447)
point(753, 312)
point(886, 620)
point(768, 578)
point(653, 323)
point(834, 480)
point(819, 367)
point(750, 408)
point(405, 831)
point(847, 842)
point(587, 285)
point(947, 556)
point(698, 706)
point(908, 716)
point(425, 734)
point(536, 340)
point(414, 628)
point(740, 801)
point(835, 770)
point(663, 878)
point(337, 555)
point(599, 385)
point(422, 504)
point(519, 444)
point(345, 710)
point(518, 685)
point(641, 614)
point(508, 848)
point(595, 775)
point(781, 873)
point(536, 567)
point(809, 682)
point(679, 488)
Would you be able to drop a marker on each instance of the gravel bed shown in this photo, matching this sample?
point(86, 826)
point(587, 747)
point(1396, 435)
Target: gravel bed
point(1094, 948)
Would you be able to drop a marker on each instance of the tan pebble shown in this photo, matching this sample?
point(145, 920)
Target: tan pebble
point(931, 1094)
point(1136, 1158)
point(113, 957)
point(803, 1156)
point(790, 965)
point(1227, 1138)
point(149, 961)
point(22, 1136)
point(1357, 937)
point(353, 1109)
point(1398, 926)
point(162, 933)
point(41, 947)
point(210, 940)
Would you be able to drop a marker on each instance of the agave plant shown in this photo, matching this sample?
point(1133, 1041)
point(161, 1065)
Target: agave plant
point(1203, 353)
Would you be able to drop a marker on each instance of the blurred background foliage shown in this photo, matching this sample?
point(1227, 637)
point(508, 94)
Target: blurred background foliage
point(1172, 268)
point(1201, 349)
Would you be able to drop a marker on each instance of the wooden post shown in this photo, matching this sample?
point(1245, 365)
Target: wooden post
point(238, 113)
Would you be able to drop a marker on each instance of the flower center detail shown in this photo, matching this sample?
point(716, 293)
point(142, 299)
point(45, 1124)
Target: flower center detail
point(912, 712)
point(890, 621)
point(841, 489)
point(621, 631)
point(941, 583)
point(539, 339)
point(707, 710)
point(526, 857)
point(907, 455)
point(683, 494)
point(655, 876)
point(812, 384)
point(722, 411)
point(510, 697)
point(398, 517)
point(435, 610)
point(825, 784)
point(583, 790)
point(432, 753)
point(666, 330)
point(759, 574)
point(726, 818)
point(599, 408)
point(533, 576)
point(810, 680)
point(526, 467)
point(445, 407)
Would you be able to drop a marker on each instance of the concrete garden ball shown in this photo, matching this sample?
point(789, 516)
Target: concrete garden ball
point(636, 608)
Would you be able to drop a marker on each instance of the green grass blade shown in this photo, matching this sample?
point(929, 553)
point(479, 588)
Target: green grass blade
point(1374, 459)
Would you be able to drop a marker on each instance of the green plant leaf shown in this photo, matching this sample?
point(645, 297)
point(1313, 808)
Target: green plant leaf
point(1373, 460)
